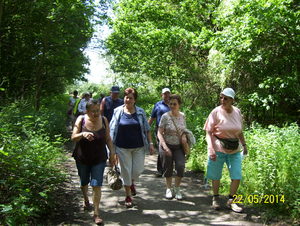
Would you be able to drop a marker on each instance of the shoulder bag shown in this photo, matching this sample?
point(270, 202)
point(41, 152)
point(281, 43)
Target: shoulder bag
point(186, 147)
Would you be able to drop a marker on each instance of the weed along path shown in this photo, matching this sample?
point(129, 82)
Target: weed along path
point(150, 207)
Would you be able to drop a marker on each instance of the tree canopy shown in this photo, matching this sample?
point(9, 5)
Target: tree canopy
point(199, 47)
point(42, 44)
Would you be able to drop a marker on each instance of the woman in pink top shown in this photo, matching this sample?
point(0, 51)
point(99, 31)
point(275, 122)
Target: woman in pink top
point(225, 121)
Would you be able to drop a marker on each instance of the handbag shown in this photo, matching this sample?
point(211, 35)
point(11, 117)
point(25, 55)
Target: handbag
point(186, 147)
point(113, 179)
point(229, 143)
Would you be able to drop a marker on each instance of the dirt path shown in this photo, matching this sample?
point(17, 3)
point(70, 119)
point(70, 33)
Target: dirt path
point(149, 205)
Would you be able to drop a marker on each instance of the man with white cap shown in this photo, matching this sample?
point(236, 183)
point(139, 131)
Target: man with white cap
point(158, 110)
point(108, 104)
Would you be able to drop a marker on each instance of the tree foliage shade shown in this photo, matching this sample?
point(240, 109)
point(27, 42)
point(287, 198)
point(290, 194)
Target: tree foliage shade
point(200, 47)
point(42, 43)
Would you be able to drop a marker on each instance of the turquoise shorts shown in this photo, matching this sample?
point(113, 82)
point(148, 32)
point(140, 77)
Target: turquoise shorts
point(233, 162)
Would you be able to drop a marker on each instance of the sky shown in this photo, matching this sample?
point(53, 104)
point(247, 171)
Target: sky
point(99, 68)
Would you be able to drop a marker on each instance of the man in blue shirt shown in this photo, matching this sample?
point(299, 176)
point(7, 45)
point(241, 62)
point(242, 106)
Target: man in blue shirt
point(108, 104)
point(158, 110)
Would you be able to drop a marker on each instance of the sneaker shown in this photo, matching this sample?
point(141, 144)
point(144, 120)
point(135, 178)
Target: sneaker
point(128, 202)
point(216, 203)
point(133, 191)
point(178, 195)
point(233, 206)
point(169, 194)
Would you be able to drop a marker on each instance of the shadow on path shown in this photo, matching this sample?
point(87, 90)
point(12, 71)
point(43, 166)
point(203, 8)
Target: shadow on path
point(149, 205)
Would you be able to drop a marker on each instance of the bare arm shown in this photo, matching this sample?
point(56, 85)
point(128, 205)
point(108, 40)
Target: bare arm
point(102, 106)
point(151, 120)
point(109, 144)
point(77, 135)
point(162, 141)
point(151, 148)
point(211, 151)
point(242, 139)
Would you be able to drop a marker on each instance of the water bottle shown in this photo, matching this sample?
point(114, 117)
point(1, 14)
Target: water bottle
point(242, 155)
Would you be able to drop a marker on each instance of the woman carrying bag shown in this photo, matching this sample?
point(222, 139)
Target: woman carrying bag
point(172, 124)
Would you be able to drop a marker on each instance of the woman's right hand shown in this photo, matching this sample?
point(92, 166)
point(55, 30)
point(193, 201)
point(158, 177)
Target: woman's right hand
point(213, 157)
point(168, 152)
point(89, 136)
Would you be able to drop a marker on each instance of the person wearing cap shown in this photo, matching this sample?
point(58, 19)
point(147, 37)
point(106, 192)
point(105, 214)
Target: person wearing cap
point(158, 110)
point(82, 104)
point(225, 121)
point(108, 104)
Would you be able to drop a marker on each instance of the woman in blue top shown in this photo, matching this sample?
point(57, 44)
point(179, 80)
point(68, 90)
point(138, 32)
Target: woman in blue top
point(131, 136)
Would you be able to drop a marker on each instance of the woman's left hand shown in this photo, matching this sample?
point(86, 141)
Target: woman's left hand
point(183, 139)
point(111, 161)
point(245, 150)
point(151, 149)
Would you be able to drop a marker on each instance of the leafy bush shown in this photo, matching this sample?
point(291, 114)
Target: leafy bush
point(30, 153)
point(273, 166)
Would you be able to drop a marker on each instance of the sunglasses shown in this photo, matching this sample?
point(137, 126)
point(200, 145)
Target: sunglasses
point(225, 98)
point(173, 104)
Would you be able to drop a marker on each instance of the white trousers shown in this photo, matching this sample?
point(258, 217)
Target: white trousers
point(131, 163)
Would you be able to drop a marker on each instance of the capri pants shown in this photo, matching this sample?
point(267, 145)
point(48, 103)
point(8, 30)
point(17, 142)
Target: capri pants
point(167, 161)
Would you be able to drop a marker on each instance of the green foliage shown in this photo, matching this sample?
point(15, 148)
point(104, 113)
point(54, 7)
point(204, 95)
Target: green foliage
point(195, 120)
point(30, 155)
point(42, 44)
point(200, 47)
point(272, 167)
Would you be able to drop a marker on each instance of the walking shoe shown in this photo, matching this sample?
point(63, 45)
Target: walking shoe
point(216, 202)
point(178, 195)
point(233, 206)
point(128, 202)
point(133, 191)
point(169, 194)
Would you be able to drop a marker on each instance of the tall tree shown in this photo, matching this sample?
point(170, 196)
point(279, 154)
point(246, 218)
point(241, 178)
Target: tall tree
point(42, 44)
point(165, 40)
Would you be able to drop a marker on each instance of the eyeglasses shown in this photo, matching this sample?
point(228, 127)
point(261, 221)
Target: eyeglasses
point(225, 98)
point(95, 112)
point(173, 104)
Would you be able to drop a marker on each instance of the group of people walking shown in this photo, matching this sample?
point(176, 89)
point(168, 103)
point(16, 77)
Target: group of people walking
point(120, 131)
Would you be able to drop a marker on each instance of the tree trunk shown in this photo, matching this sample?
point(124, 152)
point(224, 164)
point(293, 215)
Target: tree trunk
point(39, 70)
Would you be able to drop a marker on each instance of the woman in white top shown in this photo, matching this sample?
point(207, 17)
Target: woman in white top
point(170, 148)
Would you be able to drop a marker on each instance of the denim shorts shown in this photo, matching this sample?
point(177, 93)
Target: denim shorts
point(93, 174)
point(233, 162)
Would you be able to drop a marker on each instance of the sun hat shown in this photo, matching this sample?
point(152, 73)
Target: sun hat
point(165, 90)
point(86, 93)
point(229, 92)
point(115, 89)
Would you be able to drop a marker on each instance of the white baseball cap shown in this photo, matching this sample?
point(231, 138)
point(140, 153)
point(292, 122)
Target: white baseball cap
point(229, 92)
point(165, 90)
